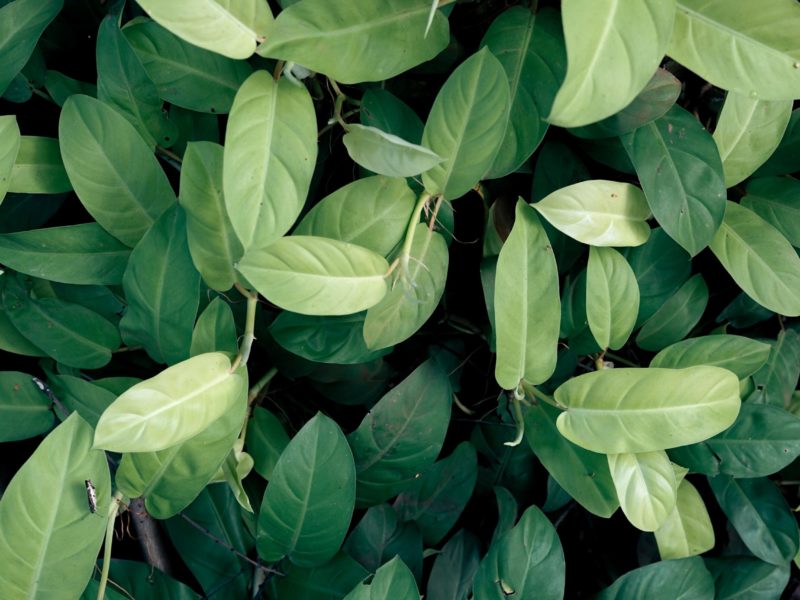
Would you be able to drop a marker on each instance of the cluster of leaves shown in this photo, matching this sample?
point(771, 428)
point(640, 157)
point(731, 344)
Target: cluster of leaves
point(279, 363)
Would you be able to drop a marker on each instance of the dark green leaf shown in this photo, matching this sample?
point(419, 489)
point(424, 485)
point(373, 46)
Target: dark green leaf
point(746, 578)
point(776, 380)
point(215, 330)
point(777, 201)
point(785, 159)
point(38, 168)
point(141, 580)
point(25, 410)
point(454, 568)
point(684, 579)
point(329, 581)
point(392, 581)
point(676, 317)
point(266, 440)
point(84, 397)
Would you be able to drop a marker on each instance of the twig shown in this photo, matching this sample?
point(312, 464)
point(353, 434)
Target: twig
point(149, 536)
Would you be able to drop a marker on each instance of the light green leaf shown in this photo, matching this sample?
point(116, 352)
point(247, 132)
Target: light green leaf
point(777, 201)
point(215, 330)
point(173, 406)
point(392, 581)
point(642, 410)
point(21, 24)
point(110, 166)
point(162, 288)
point(646, 487)
point(415, 295)
point(760, 260)
point(684, 579)
point(185, 75)
point(747, 133)
point(387, 154)
point(613, 49)
point(25, 411)
point(527, 306)
point(402, 434)
point(688, 530)
point(10, 142)
point(266, 440)
point(38, 168)
point(309, 501)
point(466, 125)
point(599, 213)
point(612, 297)
point(212, 240)
point(317, 276)
point(229, 27)
point(530, 46)
point(372, 212)
point(270, 151)
point(734, 44)
point(51, 552)
point(741, 355)
point(331, 37)
point(77, 254)
point(676, 317)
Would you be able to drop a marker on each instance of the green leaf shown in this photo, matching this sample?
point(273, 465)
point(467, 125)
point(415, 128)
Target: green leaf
point(21, 24)
point(330, 581)
point(415, 295)
point(110, 166)
point(760, 260)
point(676, 317)
point(613, 49)
point(60, 87)
point(381, 109)
point(436, 498)
point(266, 440)
point(454, 568)
point(10, 142)
point(785, 158)
point(307, 507)
point(185, 75)
point(215, 330)
point(599, 213)
point(330, 38)
point(584, 475)
point(270, 151)
point(612, 297)
point(684, 579)
point(680, 171)
point(530, 46)
point(642, 410)
point(317, 276)
point(760, 515)
point(141, 580)
point(222, 26)
point(387, 154)
point(173, 406)
point(741, 355)
point(777, 201)
point(163, 291)
point(527, 306)
point(393, 581)
point(25, 411)
point(747, 577)
point(372, 212)
point(51, 552)
point(38, 168)
point(687, 530)
point(733, 44)
point(526, 562)
point(81, 396)
point(777, 380)
point(212, 240)
point(646, 487)
point(748, 132)
point(401, 435)
point(77, 254)
point(466, 125)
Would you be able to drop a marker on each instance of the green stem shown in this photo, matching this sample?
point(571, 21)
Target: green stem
point(112, 516)
point(515, 404)
point(249, 328)
point(260, 385)
point(169, 154)
point(532, 390)
point(405, 252)
point(621, 360)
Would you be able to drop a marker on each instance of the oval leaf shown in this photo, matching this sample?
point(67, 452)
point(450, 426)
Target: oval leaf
point(10, 141)
point(688, 530)
point(676, 317)
point(777, 201)
point(387, 154)
point(38, 168)
point(24, 410)
point(392, 581)
point(686, 579)
point(612, 297)
point(739, 354)
point(646, 487)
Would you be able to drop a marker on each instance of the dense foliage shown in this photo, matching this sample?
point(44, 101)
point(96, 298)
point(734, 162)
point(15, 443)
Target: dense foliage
point(374, 299)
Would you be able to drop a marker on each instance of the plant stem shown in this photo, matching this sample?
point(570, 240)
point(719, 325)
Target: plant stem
point(169, 154)
point(260, 385)
point(532, 390)
point(621, 360)
point(249, 327)
point(405, 253)
point(515, 404)
point(113, 508)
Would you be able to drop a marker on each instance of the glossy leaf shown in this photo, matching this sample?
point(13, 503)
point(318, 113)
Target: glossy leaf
point(38, 168)
point(530, 46)
point(747, 133)
point(759, 259)
point(684, 579)
point(52, 551)
point(215, 330)
point(687, 530)
point(266, 440)
point(744, 576)
point(317, 276)
point(162, 288)
point(307, 507)
point(26, 412)
point(743, 356)
point(330, 38)
point(646, 487)
point(454, 568)
point(212, 241)
point(329, 581)
point(642, 410)
point(270, 151)
point(228, 28)
point(527, 306)
point(466, 125)
point(612, 297)
point(387, 154)
point(392, 580)
point(401, 435)
point(733, 45)
point(599, 213)
point(110, 166)
point(613, 49)
point(676, 317)
point(527, 562)
point(777, 380)
point(777, 201)
point(173, 406)
point(680, 171)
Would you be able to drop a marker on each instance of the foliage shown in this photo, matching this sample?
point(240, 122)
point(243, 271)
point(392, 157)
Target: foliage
point(382, 299)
